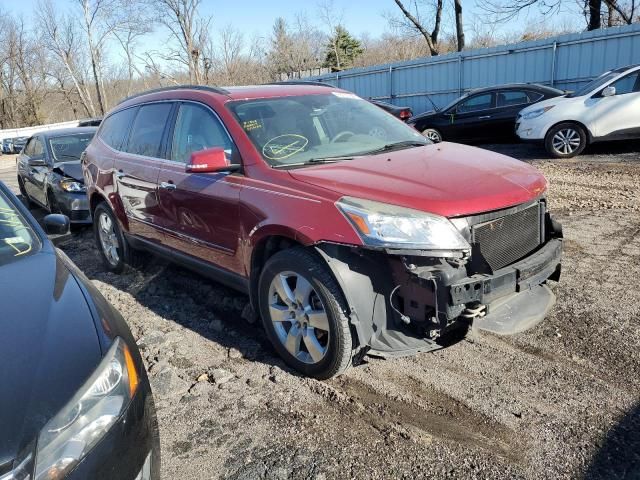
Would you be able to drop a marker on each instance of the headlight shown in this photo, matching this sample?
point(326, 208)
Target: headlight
point(71, 434)
point(72, 186)
point(536, 113)
point(384, 225)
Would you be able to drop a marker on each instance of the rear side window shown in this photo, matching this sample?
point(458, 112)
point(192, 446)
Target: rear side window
point(115, 128)
point(147, 129)
point(535, 96)
point(508, 98)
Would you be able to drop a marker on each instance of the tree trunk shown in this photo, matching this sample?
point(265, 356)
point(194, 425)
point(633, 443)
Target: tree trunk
point(595, 7)
point(459, 25)
point(430, 43)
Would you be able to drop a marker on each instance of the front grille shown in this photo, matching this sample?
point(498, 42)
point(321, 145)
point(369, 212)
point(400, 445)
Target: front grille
point(507, 239)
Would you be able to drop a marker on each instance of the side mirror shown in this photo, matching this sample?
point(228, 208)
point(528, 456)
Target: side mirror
point(56, 224)
point(209, 161)
point(609, 91)
point(37, 162)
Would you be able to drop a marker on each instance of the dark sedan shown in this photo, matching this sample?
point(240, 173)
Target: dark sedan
point(19, 143)
point(50, 175)
point(483, 115)
point(76, 401)
point(403, 113)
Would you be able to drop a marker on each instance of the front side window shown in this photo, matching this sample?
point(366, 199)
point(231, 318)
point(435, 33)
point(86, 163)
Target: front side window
point(594, 84)
point(115, 128)
point(509, 98)
point(17, 239)
point(321, 127)
point(148, 128)
point(69, 147)
point(477, 103)
point(38, 148)
point(28, 148)
point(197, 129)
point(628, 84)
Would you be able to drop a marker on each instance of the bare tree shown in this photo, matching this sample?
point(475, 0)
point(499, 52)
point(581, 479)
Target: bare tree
point(332, 19)
point(430, 37)
point(189, 29)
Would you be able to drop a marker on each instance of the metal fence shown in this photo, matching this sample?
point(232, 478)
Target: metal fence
point(565, 62)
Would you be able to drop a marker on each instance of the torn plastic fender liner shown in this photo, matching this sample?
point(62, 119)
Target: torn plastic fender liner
point(366, 280)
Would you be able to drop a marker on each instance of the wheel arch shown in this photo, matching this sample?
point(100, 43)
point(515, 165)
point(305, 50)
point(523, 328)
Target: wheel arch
point(577, 122)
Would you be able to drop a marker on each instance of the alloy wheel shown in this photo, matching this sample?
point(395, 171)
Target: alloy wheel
point(108, 239)
point(432, 135)
point(299, 317)
point(566, 141)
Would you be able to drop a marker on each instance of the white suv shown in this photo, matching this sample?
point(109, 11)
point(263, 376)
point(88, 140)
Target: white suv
point(607, 108)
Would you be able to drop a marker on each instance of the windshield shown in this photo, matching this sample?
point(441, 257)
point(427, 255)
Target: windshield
point(69, 147)
point(305, 129)
point(593, 84)
point(17, 239)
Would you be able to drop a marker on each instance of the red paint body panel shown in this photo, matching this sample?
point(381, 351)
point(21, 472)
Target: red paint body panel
point(221, 218)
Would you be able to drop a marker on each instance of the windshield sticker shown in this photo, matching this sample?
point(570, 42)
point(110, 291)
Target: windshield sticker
point(284, 146)
point(346, 95)
point(249, 125)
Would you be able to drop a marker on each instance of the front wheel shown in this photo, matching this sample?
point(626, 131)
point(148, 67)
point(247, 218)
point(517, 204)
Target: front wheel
point(432, 134)
point(565, 140)
point(304, 314)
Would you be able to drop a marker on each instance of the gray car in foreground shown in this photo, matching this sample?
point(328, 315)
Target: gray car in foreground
point(49, 172)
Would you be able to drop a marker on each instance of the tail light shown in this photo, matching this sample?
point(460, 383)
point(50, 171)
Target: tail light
point(405, 114)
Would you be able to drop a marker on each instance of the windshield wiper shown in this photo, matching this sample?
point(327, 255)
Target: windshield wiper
point(396, 146)
point(313, 161)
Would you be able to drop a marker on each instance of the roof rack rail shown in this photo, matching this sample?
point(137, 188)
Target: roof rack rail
point(205, 88)
point(302, 82)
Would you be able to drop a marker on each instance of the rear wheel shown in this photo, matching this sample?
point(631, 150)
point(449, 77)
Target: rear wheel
point(432, 134)
point(303, 312)
point(565, 140)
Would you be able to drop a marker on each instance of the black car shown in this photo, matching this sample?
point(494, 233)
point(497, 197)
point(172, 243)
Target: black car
point(483, 115)
point(50, 175)
point(76, 402)
point(19, 143)
point(403, 113)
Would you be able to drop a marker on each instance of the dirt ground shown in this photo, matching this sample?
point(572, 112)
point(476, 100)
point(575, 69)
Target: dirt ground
point(560, 401)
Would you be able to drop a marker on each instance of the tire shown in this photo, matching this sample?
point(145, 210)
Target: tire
point(432, 134)
point(319, 345)
point(23, 193)
point(565, 140)
point(104, 219)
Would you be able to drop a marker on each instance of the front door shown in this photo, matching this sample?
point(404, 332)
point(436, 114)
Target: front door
point(137, 168)
point(472, 118)
point(617, 116)
point(34, 180)
point(200, 210)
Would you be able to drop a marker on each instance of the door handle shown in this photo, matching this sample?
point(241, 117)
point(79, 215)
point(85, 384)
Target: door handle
point(484, 117)
point(168, 186)
point(120, 174)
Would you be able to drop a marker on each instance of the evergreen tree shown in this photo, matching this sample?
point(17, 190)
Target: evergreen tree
point(341, 50)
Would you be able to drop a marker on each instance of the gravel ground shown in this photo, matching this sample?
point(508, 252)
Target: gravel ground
point(560, 401)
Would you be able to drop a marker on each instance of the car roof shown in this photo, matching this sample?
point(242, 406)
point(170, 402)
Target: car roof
point(66, 131)
point(514, 86)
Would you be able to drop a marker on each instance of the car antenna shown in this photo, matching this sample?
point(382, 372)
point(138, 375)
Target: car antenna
point(431, 102)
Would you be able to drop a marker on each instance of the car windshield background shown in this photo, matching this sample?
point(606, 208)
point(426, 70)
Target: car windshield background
point(69, 147)
point(17, 239)
point(593, 84)
point(297, 129)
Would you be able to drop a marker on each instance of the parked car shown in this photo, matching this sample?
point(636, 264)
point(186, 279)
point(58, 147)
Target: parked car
point(351, 232)
point(482, 115)
point(403, 113)
point(77, 402)
point(50, 175)
point(607, 108)
point(7, 145)
point(19, 143)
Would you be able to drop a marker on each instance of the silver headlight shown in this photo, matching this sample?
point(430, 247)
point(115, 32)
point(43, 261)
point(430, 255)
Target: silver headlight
point(69, 185)
point(88, 416)
point(384, 225)
point(536, 113)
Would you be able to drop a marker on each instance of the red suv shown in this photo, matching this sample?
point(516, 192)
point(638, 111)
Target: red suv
point(349, 231)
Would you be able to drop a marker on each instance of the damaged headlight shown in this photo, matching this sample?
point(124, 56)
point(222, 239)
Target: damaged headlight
point(88, 416)
point(384, 225)
point(73, 186)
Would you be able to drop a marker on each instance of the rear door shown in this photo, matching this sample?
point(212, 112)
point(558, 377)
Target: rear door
point(471, 119)
point(137, 168)
point(503, 118)
point(199, 211)
point(617, 117)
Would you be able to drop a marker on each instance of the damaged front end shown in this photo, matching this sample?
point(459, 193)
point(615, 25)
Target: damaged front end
point(407, 300)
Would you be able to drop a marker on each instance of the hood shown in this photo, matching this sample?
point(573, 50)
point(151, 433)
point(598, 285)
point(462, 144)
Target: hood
point(71, 169)
point(48, 344)
point(446, 179)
